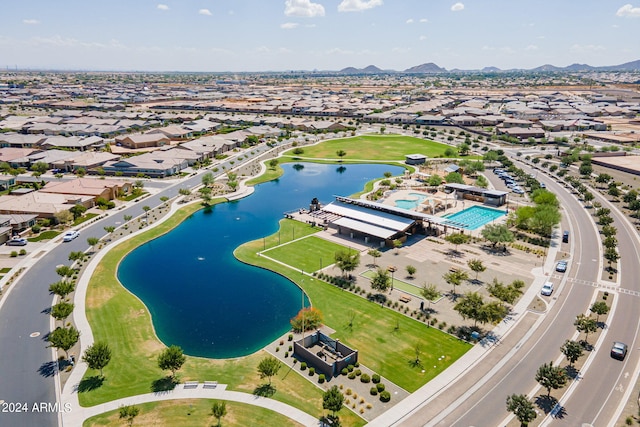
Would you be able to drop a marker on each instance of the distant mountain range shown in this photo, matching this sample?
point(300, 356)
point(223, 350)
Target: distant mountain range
point(431, 68)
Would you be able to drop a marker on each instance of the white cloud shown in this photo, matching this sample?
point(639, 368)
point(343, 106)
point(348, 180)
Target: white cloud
point(30, 21)
point(531, 47)
point(422, 38)
point(629, 11)
point(457, 7)
point(162, 7)
point(339, 51)
point(205, 12)
point(289, 25)
point(409, 21)
point(401, 50)
point(587, 48)
point(358, 5)
point(303, 8)
point(423, 20)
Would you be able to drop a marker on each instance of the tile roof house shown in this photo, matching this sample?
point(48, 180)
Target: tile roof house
point(175, 133)
point(105, 188)
point(44, 205)
point(86, 160)
point(143, 140)
point(147, 164)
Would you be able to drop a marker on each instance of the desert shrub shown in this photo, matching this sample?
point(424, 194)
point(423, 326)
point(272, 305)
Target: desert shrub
point(375, 378)
point(365, 378)
point(373, 391)
point(385, 396)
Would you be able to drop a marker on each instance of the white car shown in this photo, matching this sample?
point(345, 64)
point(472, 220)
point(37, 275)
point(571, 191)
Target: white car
point(70, 235)
point(547, 289)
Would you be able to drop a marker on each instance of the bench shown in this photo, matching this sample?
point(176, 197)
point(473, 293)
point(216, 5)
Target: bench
point(454, 269)
point(191, 384)
point(210, 384)
point(405, 298)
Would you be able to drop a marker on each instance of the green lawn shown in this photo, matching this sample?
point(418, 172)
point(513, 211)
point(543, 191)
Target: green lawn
point(374, 147)
point(133, 368)
point(84, 218)
point(308, 254)
point(397, 283)
point(268, 175)
point(45, 235)
point(194, 412)
point(381, 346)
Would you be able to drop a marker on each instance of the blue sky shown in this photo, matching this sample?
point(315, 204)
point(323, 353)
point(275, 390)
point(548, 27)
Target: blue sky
point(280, 35)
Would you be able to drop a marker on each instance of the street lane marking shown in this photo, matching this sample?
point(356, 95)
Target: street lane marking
point(600, 285)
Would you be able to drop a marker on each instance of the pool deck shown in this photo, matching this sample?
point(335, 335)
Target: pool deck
point(453, 205)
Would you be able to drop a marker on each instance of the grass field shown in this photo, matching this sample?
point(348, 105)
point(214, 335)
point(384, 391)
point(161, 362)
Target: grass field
point(385, 339)
point(269, 175)
point(133, 368)
point(45, 235)
point(397, 283)
point(373, 147)
point(193, 412)
point(309, 254)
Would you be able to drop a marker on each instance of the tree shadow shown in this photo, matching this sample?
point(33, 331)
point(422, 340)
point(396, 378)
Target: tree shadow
point(572, 372)
point(89, 384)
point(46, 311)
point(415, 363)
point(586, 345)
point(48, 369)
point(264, 390)
point(163, 384)
point(545, 403)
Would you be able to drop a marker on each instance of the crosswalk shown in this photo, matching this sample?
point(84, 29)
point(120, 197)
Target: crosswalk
point(606, 286)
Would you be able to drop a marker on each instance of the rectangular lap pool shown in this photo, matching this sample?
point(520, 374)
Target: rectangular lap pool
point(474, 217)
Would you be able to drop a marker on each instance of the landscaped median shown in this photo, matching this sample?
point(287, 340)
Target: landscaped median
point(120, 319)
point(386, 340)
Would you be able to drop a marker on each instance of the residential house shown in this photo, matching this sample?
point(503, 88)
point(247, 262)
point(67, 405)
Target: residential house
point(174, 133)
point(43, 205)
point(146, 164)
point(105, 188)
point(143, 140)
point(86, 160)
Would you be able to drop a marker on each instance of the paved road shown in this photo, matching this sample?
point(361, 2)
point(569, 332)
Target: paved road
point(26, 369)
point(603, 388)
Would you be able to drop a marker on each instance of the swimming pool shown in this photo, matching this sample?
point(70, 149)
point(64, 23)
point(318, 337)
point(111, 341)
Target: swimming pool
point(411, 203)
point(474, 217)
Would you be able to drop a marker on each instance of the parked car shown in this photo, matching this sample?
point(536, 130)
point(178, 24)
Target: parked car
point(70, 235)
point(16, 241)
point(619, 350)
point(565, 237)
point(547, 289)
point(517, 190)
point(561, 266)
point(543, 185)
point(498, 171)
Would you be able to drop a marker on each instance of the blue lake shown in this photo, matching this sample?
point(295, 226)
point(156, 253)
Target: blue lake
point(204, 300)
